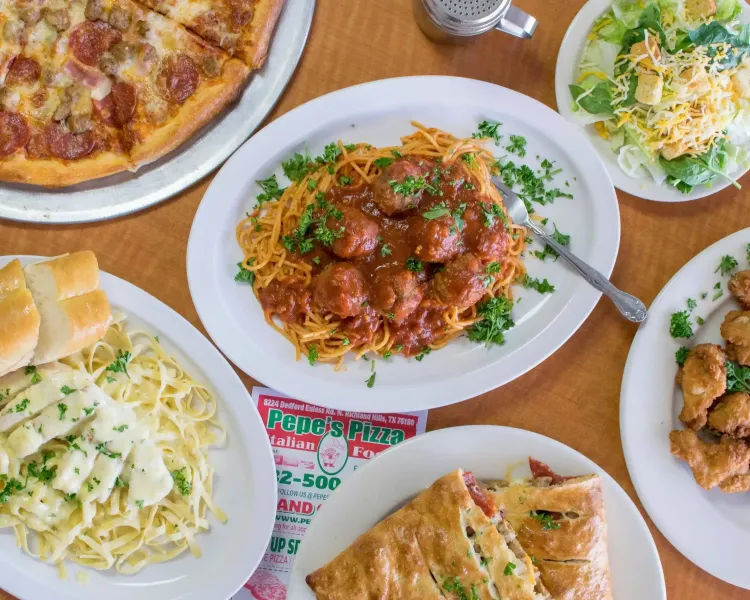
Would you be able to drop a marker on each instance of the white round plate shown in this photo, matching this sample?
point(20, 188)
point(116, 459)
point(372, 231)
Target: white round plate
point(380, 113)
point(691, 518)
point(125, 193)
point(245, 484)
point(396, 476)
point(566, 72)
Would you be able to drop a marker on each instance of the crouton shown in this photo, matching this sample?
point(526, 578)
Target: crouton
point(697, 9)
point(650, 88)
point(672, 151)
point(639, 49)
point(696, 80)
point(741, 81)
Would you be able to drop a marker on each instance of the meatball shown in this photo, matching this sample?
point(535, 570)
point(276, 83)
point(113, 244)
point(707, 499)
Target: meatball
point(489, 243)
point(340, 289)
point(434, 240)
point(386, 198)
point(288, 299)
point(396, 293)
point(361, 329)
point(739, 285)
point(459, 283)
point(359, 234)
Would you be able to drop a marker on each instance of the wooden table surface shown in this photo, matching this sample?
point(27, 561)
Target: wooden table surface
point(574, 395)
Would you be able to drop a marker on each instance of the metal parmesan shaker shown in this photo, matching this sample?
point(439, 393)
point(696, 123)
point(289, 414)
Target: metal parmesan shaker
point(453, 21)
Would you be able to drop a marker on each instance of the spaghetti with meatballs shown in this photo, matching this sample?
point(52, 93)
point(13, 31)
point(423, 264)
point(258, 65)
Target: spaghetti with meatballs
point(390, 250)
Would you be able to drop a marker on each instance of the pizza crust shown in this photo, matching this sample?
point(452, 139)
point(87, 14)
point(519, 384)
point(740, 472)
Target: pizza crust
point(54, 173)
point(200, 108)
point(252, 47)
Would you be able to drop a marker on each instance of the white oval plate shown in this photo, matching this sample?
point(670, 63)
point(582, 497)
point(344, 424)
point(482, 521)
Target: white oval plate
point(245, 484)
point(380, 113)
point(396, 476)
point(692, 519)
point(565, 73)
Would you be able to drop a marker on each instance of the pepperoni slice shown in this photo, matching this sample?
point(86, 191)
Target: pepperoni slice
point(23, 70)
point(91, 39)
point(179, 77)
point(117, 108)
point(540, 469)
point(477, 494)
point(14, 133)
point(66, 145)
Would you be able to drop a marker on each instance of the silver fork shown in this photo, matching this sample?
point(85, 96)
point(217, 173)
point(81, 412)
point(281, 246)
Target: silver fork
point(629, 306)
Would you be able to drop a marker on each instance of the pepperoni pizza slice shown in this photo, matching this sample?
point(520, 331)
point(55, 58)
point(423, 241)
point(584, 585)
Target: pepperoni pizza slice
point(88, 89)
point(241, 27)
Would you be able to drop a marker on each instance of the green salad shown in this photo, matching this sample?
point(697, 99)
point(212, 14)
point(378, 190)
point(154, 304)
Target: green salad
point(667, 84)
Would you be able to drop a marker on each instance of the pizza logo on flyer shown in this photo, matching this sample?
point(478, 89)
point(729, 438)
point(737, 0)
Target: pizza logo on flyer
point(333, 453)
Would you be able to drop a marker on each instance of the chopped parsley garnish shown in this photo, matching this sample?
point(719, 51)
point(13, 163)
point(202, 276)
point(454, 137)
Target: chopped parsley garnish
point(383, 162)
point(469, 159)
point(495, 320)
point(545, 518)
point(488, 129)
point(62, 408)
point(296, 167)
point(509, 569)
point(680, 326)
point(344, 180)
point(70, 497)
point(492, 210)
point(298, 240)
point(88, 410)
point(102, 449)
point(181, 481)
point(11, 485)
point(491, 269)
point(245, 275)
point(330, 154)
point(271, 190)
point(738, 377)
point(747, 253)
point(45, 474)
point(548, 250)
point(455, 585)
point(385, 250)
point(120, 364)
point(458, 216)
point(139, 504)
point(387, 354)
point(469, 186)
point(681, 355)
point(67, 390)
point(699, 320)
point(532, 187)
point(543, 287)
point(109, 380)
point(370, 381)
point(22, 405)
point(397, 154)
point(726, 264)
point(345, 341)
point(414, 265)
point(312, 355)
point(424, 352)
point(691, 304)
point(121, 428)
point(517, 145)
point(411, 186)
point(35, 376)
point(440, 210)
point(719, 292)
point(312, 184)
point(119, 482)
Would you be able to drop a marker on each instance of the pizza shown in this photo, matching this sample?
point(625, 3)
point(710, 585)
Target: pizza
point(92, 87)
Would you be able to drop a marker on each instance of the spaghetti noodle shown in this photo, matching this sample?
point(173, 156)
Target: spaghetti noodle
point(267, 238)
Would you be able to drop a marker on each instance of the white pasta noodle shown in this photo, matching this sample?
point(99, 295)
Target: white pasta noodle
point(104, 530)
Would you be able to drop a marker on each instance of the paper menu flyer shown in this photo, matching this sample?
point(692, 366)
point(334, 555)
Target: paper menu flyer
point(314, 449)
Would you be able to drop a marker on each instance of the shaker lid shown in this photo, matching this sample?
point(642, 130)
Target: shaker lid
point(466, 17)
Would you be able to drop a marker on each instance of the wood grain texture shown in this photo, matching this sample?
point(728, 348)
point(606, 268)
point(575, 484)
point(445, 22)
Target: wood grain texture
point(574, 395)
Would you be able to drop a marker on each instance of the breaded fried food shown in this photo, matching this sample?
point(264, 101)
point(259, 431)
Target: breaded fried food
point(736, 331)
point(731, 415)
point(726, 464)
point(739, 286)
point(703, 380)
